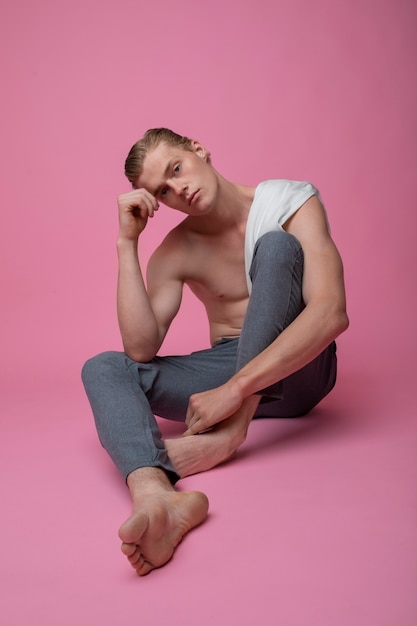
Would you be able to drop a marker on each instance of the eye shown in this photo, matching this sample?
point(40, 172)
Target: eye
point(163, 192)
point(177, 169)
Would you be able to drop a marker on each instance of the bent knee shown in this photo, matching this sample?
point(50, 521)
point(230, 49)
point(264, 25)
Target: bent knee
point(277, 239)
point(95, 365)
point(277, 246)
point(280, 251)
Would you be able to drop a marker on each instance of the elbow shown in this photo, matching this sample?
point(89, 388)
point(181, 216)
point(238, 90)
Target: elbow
point(334, 320)
point(340, 322)
point(140, 355)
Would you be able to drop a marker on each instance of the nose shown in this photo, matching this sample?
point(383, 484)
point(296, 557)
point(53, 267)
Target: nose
point(180, 188)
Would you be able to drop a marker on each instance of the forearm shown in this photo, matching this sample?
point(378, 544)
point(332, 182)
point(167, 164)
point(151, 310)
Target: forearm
point(308, 335)
point(137, 323)
point(304, 339)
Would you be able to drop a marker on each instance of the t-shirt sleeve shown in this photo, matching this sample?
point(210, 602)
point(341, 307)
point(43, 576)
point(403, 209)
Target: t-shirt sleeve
point(274, 203)
point(290, 196)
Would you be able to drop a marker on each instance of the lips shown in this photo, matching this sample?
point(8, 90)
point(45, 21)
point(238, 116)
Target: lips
point(191, 198)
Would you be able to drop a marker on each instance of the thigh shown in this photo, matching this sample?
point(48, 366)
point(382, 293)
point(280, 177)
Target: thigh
point(276, 298)
point(169, 381)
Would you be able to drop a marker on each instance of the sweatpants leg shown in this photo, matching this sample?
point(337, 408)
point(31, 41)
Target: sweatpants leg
point(276, 300)
point(124, 396)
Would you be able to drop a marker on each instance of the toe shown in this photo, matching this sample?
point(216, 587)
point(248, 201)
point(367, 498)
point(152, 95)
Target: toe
point(133, 528)
point(128, 549)
point(144, 567)
point(135, 557)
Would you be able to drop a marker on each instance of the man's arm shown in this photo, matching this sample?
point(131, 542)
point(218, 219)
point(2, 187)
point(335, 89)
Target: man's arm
point(324, 317)
point(322, 320)
point(144, 318)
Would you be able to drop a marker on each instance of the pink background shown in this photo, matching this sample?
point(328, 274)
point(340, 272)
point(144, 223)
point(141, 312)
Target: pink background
point(314, 523)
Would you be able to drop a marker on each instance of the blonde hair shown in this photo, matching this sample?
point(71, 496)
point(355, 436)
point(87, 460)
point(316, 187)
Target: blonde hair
point(151, 139)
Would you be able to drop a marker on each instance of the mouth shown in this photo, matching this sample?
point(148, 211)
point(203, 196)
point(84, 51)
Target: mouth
point(193, 197)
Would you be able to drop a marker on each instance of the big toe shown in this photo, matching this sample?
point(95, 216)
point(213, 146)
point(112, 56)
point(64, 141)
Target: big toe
point(131, 531)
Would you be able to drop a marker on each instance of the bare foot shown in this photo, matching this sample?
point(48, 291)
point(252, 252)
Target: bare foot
point(199, 453)
point(161, 517)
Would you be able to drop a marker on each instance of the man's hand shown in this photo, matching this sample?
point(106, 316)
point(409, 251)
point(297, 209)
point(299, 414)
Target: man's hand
point(210, 407)
point(135, 208)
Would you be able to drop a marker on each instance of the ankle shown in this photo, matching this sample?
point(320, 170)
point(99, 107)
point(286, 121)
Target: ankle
point(148, 481)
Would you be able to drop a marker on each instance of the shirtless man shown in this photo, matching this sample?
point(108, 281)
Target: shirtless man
point(272, 352)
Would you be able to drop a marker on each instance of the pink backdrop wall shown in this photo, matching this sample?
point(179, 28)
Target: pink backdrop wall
point(323, 91)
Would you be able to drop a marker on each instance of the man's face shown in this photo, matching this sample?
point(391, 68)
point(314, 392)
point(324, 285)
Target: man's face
point(181, 179)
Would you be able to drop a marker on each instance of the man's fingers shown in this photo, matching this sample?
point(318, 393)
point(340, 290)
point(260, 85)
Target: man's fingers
point(151, 204)
point(192, 423)
point(145, 207)
point(194, 429)
point(191, 429)
point(139, 201)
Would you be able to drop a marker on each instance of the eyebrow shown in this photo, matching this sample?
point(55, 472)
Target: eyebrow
point(166, 170)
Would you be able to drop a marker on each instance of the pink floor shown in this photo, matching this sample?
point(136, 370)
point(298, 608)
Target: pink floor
point(314, 523)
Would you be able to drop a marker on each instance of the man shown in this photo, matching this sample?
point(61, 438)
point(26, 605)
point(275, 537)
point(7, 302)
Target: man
point(263, 263)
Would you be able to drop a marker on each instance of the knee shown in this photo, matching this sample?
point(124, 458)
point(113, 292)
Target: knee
point(278, 245)
point(94, 367)
point(278, 250)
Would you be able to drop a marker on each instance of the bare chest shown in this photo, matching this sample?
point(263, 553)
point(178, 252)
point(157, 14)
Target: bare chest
point(216, 270)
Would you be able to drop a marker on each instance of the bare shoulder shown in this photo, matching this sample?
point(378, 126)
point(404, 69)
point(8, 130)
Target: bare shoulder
point(309, 224)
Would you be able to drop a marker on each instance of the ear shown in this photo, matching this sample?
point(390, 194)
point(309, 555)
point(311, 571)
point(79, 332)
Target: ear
point(200, 151)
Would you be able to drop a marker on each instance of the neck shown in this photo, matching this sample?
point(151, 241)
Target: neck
point(231, 208)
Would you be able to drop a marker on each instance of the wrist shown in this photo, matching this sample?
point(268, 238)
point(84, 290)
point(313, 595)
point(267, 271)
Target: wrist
point(236, 389)
point(240, 386)
point(125, 243)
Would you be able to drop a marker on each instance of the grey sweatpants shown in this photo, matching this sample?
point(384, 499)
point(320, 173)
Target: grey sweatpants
point(125, 395)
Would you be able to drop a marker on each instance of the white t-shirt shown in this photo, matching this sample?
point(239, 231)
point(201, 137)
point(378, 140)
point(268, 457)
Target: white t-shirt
point(275, 201)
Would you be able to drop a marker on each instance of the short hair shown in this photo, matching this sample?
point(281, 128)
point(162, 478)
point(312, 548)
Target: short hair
point(151, 139)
